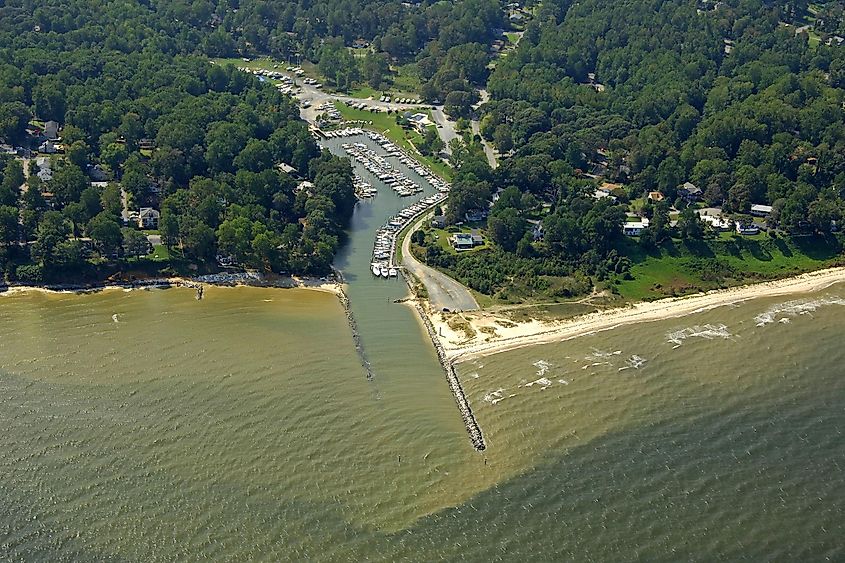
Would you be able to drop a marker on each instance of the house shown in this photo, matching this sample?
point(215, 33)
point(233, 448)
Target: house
point(51, 130)
point(438, 221)
point(465, 241)
point(419, 121)
point(360, 44)
point(747, 229)
point(717, 222)
point(96, 173)
point(148, 218)
point(516, 17)
point(656, 196)
point(690, 192)
point(537, 232)
point(635, 228)
point(286, 168)
point(48, 147)
point(305, 186)
point(759, 210)
point(475, 215)
point(45, 168)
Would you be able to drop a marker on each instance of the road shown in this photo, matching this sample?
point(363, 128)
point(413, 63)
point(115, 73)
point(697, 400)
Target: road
point(445, 127)
point(443, 291)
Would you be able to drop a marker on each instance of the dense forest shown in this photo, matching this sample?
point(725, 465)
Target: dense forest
point(730, 96)
point(202, 143)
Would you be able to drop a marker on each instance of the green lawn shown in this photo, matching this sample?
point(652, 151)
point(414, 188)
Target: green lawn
point(386, 124)
point(679, 269)
point(364, 91)
point(159, 253)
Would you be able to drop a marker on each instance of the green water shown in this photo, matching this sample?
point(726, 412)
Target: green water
point(148, 426)
point(241, 427)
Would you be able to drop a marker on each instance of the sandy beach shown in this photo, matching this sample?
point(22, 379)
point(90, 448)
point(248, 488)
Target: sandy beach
point(494, 334)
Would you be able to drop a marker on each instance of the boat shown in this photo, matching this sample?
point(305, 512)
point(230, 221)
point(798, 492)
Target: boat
point(392, 272)
point(384, 271)
point(376, 270)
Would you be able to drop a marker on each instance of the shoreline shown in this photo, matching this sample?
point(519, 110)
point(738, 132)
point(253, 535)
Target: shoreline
point(237, 280)
point(494, 334)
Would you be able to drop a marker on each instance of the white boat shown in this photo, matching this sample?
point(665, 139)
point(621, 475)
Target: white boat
point(376, 270)
point(384, 271)
point(392, 272)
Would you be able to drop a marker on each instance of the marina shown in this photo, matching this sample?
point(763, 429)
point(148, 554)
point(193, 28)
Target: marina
point(379, 166)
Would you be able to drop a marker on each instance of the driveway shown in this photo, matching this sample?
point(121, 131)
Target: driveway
point(443, 291)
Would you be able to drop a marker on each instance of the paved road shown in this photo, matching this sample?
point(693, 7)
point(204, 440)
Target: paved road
point(443, 291)
point(445, 127)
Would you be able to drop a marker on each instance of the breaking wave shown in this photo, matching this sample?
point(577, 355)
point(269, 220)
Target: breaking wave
point(708, 332)
point(542, 367)
point(783, 311)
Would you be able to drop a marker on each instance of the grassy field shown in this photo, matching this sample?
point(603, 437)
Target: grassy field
point(679, 268)
point(386, 124)
point(406, 81)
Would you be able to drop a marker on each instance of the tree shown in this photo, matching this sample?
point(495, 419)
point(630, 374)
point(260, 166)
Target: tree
point(68, 183)
point(9, 228)
point(374, 68)
point(690, 225)
point(110, 200)
point(506, 228)
point(52, 231)
point(135, 243)
point(106, 234)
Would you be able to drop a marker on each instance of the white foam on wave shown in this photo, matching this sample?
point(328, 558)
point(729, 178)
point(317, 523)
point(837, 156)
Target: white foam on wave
point(542, 382)
point(542, 367)
point(781, 311)
point(114, 318)
point(493, 395)
point(634, 362)
point(601, 354)
point(708, 332)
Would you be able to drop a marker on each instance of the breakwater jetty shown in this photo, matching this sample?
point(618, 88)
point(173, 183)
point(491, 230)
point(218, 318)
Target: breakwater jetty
point(473, 429)
point(353, 326)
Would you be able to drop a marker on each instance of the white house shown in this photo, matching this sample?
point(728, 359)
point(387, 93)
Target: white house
point(148, 218)
point(761, 210)
point(751, 229)
point(635, 228)
point(419, 121)
point(718, 222)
